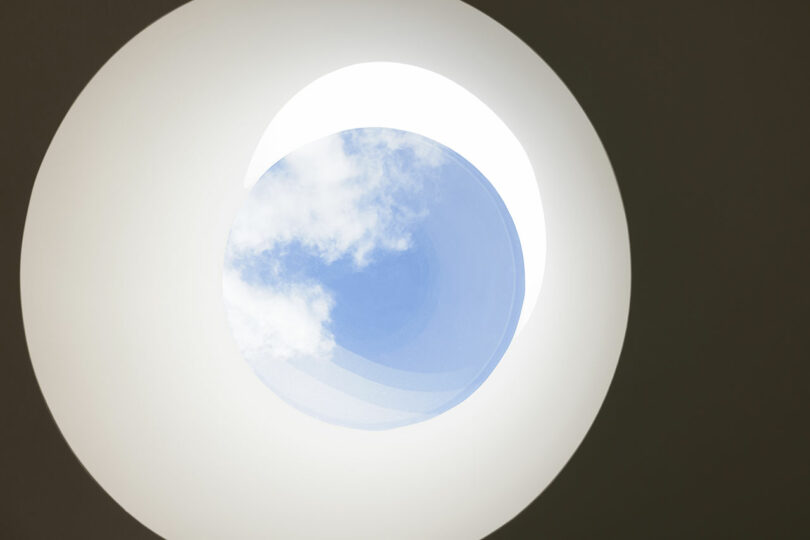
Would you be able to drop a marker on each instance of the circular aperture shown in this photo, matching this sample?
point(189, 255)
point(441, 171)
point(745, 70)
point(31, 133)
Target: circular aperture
point(373, 278)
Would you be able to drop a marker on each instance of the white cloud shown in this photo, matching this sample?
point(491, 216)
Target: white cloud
point(336, 202)
point(277, 323)
point(337, 197)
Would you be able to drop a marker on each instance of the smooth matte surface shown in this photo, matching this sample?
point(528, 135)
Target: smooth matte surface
point(664, 84)
point(121, 284)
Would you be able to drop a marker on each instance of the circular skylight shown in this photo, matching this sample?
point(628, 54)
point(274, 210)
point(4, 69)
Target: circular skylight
point(373, 278)
point(121, 274)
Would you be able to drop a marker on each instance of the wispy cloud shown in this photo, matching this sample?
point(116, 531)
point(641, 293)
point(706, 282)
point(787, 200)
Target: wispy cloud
point(347, 195)
point(278, 322)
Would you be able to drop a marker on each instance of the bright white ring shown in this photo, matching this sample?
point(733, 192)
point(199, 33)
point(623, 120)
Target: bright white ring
point(122, 300)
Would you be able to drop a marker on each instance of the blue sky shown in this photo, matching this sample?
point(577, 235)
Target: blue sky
point(373, 278)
